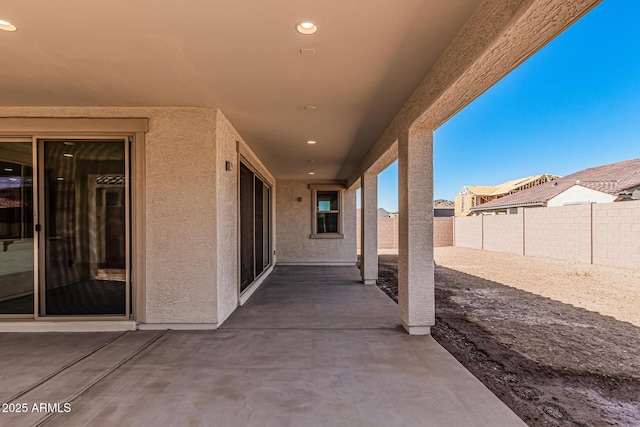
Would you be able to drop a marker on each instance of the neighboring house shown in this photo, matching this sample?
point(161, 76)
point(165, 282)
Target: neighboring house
point(614, 182)
point(383, 213)
point(443, 208)
point(472, 196)
point(163, 177)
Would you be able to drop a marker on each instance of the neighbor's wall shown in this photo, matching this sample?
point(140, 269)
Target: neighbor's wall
point(442, 231)
point(180, 194)
point(598, 233)
point(559, 232)
point(293, 227)
point(503, 233)
point(468, 232)
point(616, 234)
point(388, 232)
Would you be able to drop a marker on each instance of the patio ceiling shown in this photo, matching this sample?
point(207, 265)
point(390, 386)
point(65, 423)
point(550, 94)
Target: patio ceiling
point(243, 57)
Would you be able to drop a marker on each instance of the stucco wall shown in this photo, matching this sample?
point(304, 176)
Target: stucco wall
point(229, 144)
point(503, 233)
point(468, 232)
point(578, 194)
point(293, 227)
point(180, 206)
point(226, 217)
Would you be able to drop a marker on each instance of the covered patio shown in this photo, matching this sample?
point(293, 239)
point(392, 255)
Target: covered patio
point(170, 169)
point(312, 347)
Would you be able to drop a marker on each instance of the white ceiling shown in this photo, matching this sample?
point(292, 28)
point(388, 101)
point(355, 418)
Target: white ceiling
point(240, 56)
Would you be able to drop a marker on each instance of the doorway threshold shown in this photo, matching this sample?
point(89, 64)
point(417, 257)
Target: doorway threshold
point(67, 326)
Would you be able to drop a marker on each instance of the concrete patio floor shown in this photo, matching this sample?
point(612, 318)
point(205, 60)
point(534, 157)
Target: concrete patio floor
point(313, 347)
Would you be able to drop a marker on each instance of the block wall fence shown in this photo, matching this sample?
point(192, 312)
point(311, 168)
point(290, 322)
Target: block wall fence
point(388, 232)
point(596, 233)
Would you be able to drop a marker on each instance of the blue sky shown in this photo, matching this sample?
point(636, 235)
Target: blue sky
point(573, 105)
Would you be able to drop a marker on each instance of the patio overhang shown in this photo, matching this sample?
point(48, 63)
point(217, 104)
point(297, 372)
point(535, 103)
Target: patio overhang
point(240, 106)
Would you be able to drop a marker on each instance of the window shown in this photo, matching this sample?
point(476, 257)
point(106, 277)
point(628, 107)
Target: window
point(326, 218)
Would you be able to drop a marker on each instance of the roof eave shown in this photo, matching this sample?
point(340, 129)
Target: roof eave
point(517, 205)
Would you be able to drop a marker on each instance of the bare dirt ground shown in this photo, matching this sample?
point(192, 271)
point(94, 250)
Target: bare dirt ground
point(558, 342)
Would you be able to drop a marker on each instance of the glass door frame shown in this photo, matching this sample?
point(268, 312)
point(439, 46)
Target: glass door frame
point(39, 142)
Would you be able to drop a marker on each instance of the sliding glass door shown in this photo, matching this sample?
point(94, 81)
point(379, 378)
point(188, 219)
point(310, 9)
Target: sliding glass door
point(255, 199)
point(65, 228)
point(84, 237)
point(16, 228)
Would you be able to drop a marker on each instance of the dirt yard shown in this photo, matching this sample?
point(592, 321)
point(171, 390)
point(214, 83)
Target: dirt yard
point(558, 342)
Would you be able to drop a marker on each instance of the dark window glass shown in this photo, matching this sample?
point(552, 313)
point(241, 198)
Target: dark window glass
point(246, 227)
point(254, 226)
point(85, 229)
point(327, 223)
point(327, 212)
point(259, 222)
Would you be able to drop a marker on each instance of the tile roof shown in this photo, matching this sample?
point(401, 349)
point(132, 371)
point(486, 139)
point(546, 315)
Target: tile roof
point(614, 179)
point(443, 204)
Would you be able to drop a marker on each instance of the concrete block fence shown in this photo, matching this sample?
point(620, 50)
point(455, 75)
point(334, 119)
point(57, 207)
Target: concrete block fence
point(388, 232)
point(596, 233)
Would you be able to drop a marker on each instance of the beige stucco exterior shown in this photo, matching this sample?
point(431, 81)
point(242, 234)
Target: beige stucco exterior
point(187, 234)
point(293, 228)
point(578, 194)
point(190, 224)
point(231, 148)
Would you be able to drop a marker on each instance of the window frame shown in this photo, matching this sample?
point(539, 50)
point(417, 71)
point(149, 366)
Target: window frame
point(315, 188)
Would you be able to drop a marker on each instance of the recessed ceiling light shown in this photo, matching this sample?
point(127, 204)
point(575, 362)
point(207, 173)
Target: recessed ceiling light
point(312, 173)
point(306, 27)
point(8, 169)
point(311, 142)
point(68, 155)
point(7, 26)
point(60, 178)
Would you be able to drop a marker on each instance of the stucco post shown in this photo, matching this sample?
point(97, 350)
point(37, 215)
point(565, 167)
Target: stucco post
point(416, 299)
point(369, 228)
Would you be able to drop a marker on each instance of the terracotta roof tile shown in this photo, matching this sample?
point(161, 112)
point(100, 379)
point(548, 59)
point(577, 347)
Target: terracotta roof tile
point(443, 204)
point(614, 178)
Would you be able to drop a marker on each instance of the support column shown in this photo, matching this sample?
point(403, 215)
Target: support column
point(369, 228)
point(416, 297)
